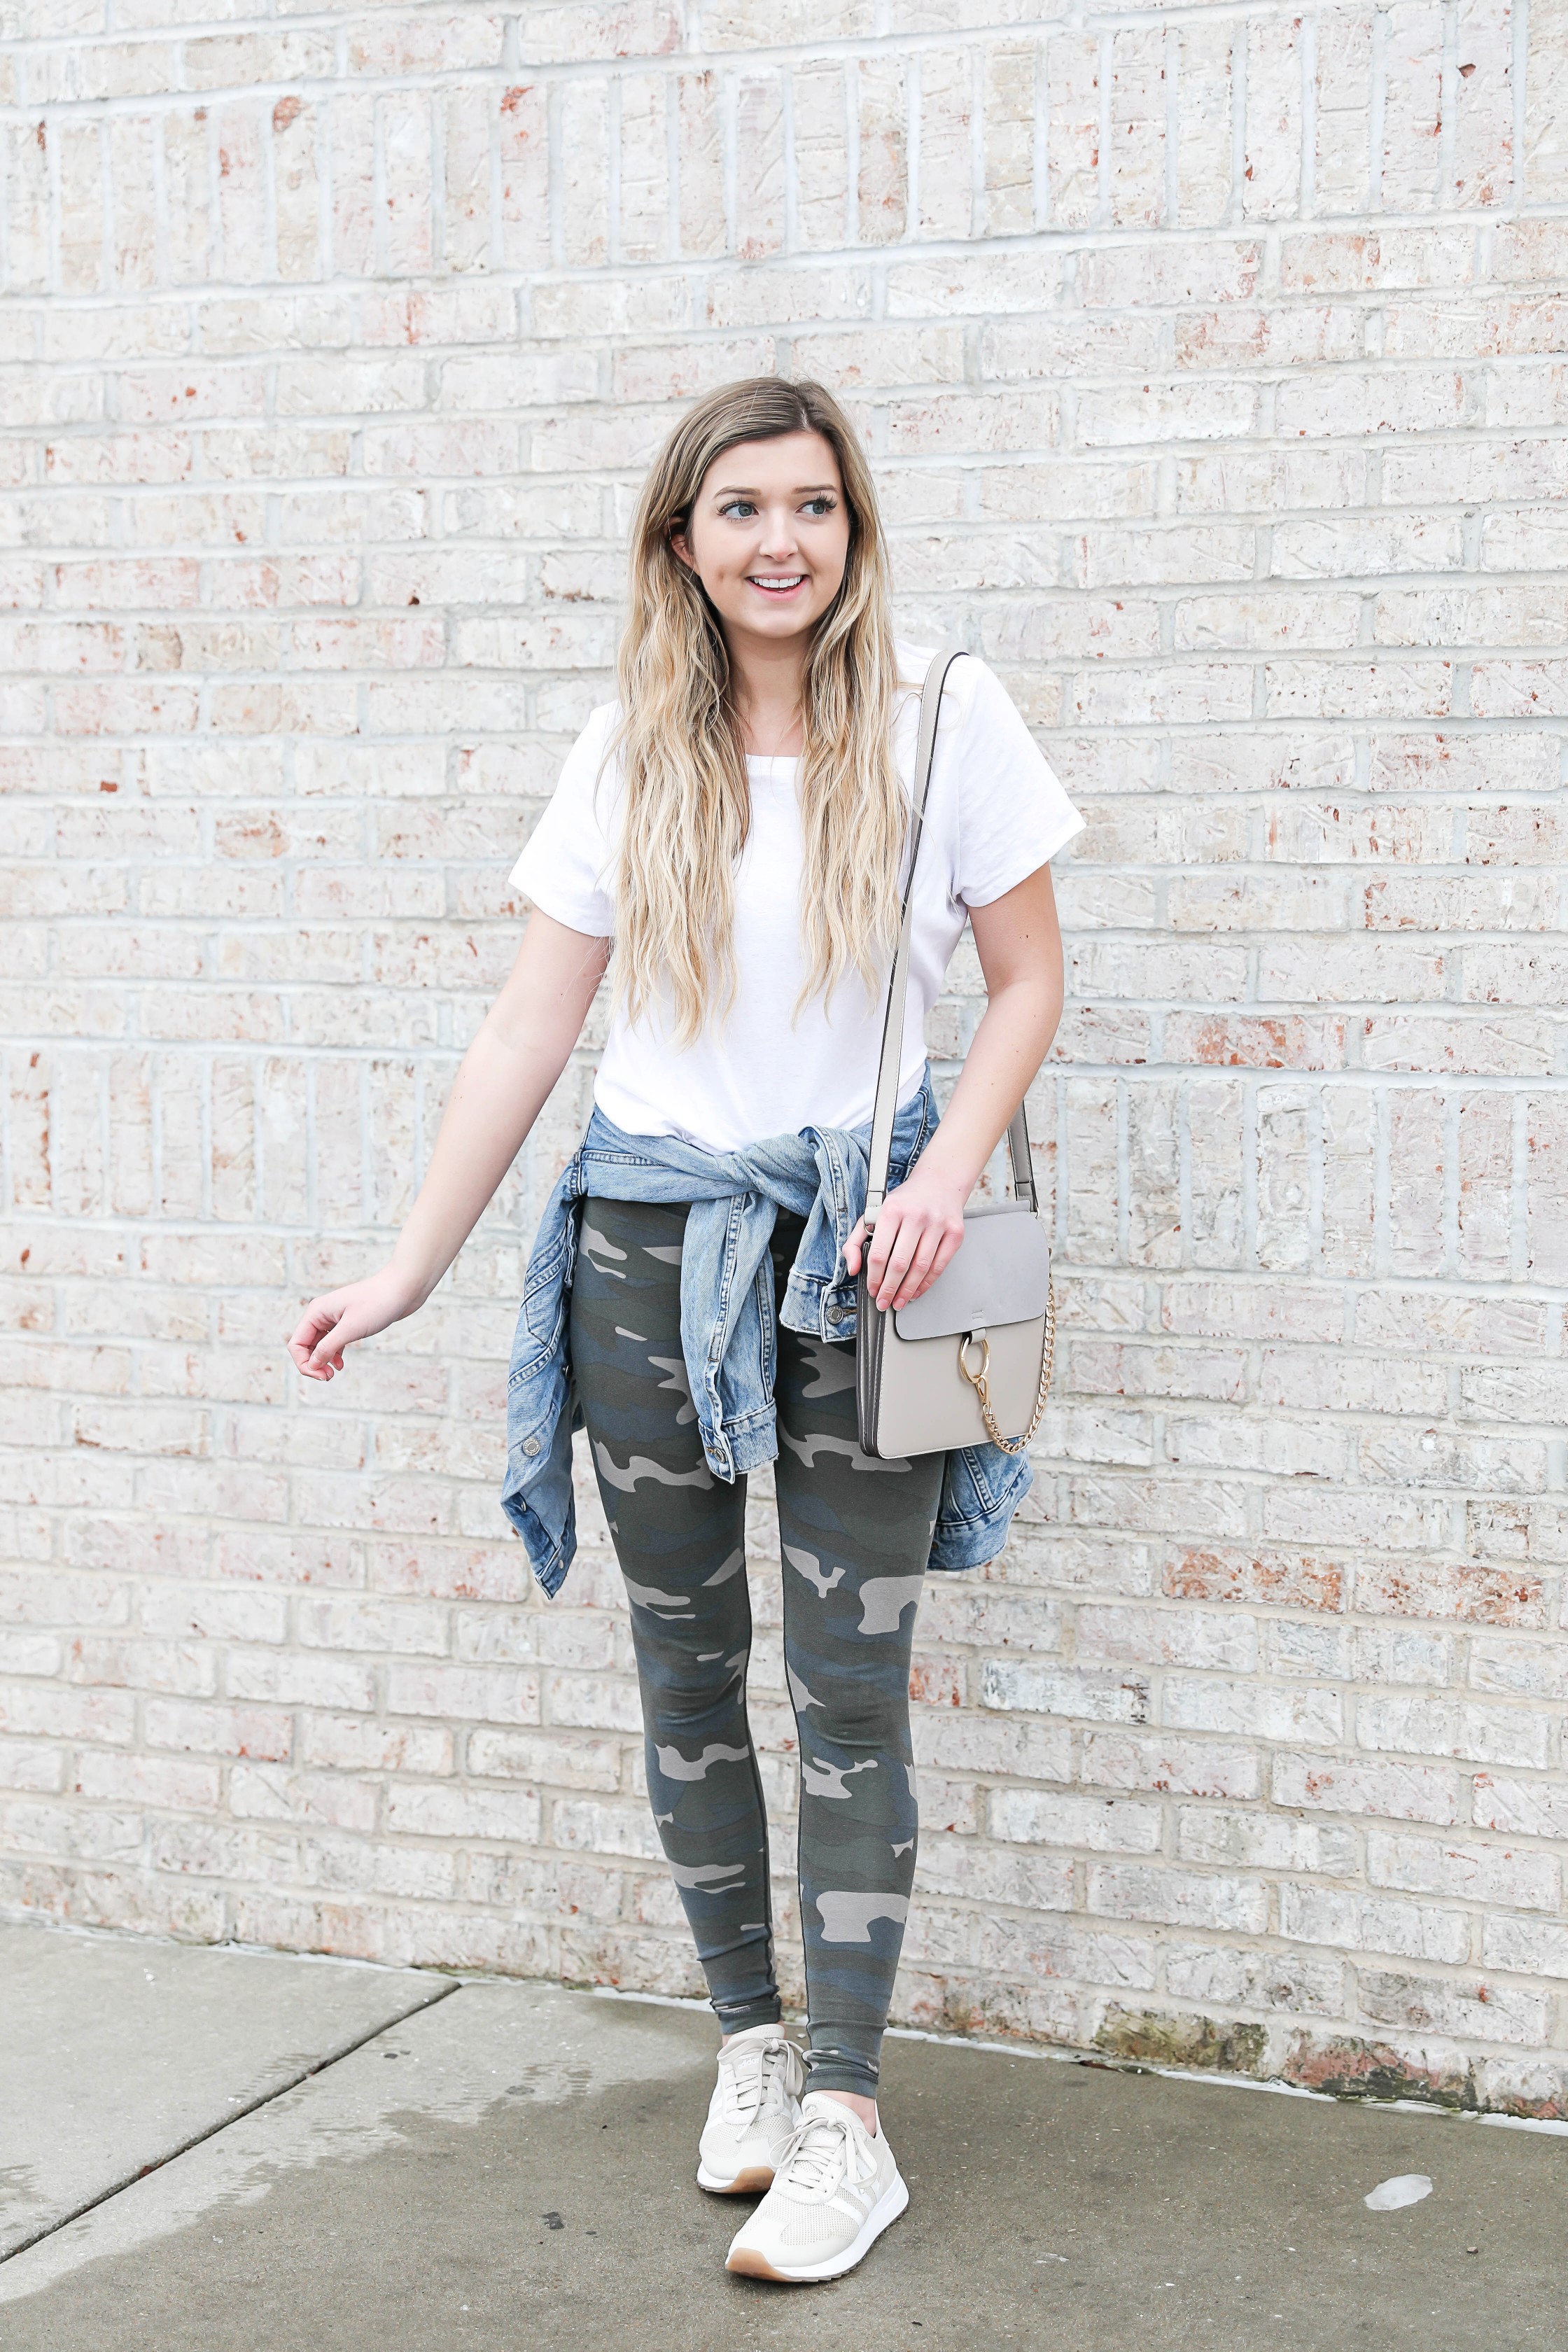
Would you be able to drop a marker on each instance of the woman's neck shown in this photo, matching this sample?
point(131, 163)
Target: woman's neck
point(768, 682)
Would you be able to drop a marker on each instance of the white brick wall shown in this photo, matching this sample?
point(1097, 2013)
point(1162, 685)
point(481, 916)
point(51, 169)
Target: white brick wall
point(1213, 364)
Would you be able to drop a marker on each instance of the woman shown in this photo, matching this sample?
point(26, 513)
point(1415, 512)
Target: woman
point(736, 825)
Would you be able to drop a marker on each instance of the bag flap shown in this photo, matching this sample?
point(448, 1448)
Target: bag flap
point(1001, 1274)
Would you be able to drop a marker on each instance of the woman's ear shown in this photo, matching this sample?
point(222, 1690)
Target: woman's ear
point(680, 544)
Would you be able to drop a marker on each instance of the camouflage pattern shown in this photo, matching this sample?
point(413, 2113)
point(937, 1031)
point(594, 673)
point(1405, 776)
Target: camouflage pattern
point(855, 1537)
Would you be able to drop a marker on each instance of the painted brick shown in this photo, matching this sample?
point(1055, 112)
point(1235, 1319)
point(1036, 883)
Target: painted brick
point(509, 1816)
point(1523, 1808)
point(1361, 1923)
point(499, 1695)
point(1534, 1948)
point(1176, 1898)
point(1260, 1840)
point(551, 1761)
point(352, 1744)
point(1105, 1826)
point(1513, 1878)
point(1406, 1792)
point(1472, 2010)
point(1229, 1977)
point(1171, 1767)
point(1256, 1711)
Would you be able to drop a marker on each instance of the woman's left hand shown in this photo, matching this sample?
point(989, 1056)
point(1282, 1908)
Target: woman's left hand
point(919, 1229)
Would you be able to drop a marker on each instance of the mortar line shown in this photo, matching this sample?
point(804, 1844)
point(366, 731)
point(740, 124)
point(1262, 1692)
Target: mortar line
point(265, 2099)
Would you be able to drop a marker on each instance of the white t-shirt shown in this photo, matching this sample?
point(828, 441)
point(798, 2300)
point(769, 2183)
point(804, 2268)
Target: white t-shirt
point(995, 813)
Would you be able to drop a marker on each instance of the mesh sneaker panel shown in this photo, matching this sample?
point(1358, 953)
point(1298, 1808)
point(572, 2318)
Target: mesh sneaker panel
point(816, 2229)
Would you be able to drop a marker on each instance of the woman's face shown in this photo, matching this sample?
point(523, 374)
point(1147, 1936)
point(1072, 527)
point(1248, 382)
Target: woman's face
point(768, 535)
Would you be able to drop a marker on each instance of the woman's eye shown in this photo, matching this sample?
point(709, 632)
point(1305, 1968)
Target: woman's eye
point(819, 506)
point(740, 508)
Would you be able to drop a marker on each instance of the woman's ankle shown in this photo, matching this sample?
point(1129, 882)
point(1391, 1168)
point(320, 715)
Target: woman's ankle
point(776, 2023)
point(865, 2109)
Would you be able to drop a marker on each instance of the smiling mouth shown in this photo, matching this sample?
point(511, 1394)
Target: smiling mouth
point(776, 584)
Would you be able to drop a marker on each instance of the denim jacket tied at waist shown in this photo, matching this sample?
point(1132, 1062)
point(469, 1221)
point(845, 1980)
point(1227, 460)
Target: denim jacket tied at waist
point(727, 1316)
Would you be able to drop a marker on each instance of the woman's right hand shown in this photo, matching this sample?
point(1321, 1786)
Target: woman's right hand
point(334, 1322)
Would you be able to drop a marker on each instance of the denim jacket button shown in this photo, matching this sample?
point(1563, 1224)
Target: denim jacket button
point(531, 1445)
point(835, 1314)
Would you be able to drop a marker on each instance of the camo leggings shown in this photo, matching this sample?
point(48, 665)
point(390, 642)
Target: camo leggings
point(855, 1536)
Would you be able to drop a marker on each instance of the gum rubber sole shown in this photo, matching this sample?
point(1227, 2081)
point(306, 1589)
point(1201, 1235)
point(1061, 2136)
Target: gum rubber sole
point(752, 2181)
point(750, 2263)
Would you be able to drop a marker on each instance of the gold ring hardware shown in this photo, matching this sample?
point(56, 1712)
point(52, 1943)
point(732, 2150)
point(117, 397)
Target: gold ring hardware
point(979, 1382)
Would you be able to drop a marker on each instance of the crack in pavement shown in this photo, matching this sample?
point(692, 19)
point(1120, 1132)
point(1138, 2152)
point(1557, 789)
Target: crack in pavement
point(223, 2123)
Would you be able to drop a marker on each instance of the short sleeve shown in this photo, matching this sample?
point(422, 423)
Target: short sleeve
point(566, 865)
point(1013, 814)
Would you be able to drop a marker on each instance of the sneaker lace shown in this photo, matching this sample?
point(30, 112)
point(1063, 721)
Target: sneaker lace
point(817, 2155)
point(749, 2075)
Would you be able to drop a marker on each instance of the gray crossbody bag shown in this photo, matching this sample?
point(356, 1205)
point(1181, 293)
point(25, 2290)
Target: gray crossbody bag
point(971, 1360)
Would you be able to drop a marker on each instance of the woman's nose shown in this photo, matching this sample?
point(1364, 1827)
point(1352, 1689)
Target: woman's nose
point(778, 535)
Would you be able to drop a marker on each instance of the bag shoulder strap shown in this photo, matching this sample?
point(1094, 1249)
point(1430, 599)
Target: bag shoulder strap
point(887, 1098)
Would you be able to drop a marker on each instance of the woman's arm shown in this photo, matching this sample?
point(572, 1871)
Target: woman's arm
point(500, 1090)
point(920, 1224)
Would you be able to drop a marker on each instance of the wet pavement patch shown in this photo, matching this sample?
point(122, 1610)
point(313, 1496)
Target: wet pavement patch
point(117, 2051)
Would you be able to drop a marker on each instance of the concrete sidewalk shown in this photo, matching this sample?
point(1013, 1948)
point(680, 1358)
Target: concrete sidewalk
point(490, 2164)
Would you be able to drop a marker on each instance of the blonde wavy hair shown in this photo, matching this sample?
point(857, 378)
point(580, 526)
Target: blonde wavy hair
point(686, 805)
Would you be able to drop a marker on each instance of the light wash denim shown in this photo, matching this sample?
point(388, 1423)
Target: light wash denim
point(727, 1328)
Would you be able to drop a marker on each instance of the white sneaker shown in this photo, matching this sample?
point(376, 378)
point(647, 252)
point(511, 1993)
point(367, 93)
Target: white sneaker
point(835, 2190)
point(753, 2111)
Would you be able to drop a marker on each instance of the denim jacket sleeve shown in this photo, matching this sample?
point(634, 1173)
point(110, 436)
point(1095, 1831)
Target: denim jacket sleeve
point(541, 1409)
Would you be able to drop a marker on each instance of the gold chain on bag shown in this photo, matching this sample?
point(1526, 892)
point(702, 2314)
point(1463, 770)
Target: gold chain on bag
point(979, 1383)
